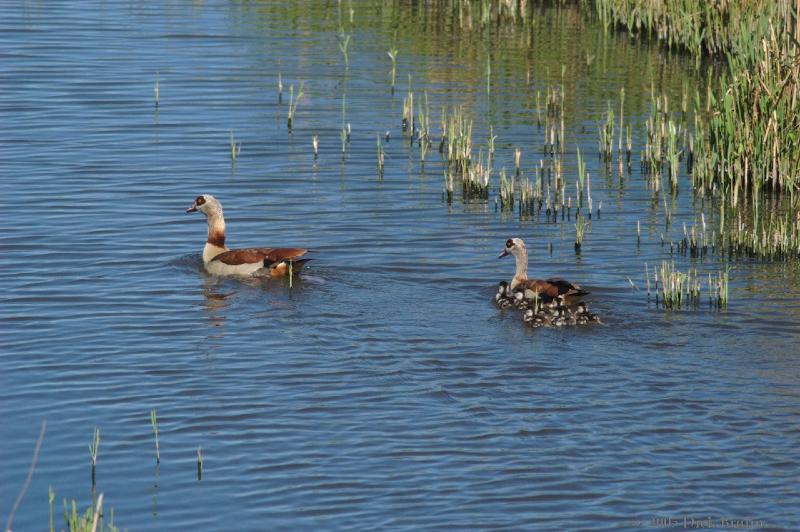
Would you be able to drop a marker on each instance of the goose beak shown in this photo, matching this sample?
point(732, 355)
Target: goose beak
point(503, 254)
point(193, 208)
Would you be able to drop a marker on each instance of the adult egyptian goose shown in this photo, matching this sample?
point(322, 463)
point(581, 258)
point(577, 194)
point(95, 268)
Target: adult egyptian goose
point(548, 289)
point(219, 260)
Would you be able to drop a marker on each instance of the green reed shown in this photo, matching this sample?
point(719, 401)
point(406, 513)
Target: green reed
point(344, 43)
point(343, 133)
point(293, 102)
point(199, 463)
point(92, 520)
point(236, 148)
point(677, 288)
point(458, 132)
point(580, 183)
point(94, 448)
point(506, 191)
point(154, 425)
point(475, 179)
point(381, 155)
point(393, 56)
point(424, 127)
point(447, 193)
point(606, 142)
point(580, 230)
point(51, 496)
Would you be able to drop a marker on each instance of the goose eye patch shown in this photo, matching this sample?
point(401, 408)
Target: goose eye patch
point(509, 243)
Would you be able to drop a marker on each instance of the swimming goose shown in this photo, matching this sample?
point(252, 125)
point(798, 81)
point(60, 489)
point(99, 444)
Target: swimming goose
point(219, 260)
point(547, 289)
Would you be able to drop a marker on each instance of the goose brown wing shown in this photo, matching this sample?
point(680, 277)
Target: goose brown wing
point(267, 256)
point(565, 288)
point(545, 289)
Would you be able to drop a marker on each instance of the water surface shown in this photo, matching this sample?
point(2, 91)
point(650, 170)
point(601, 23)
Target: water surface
point(382, 390)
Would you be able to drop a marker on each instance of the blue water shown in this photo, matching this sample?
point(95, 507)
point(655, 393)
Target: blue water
point(382, 390)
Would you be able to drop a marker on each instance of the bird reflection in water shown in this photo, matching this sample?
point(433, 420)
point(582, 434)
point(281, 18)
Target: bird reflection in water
point(216, 302)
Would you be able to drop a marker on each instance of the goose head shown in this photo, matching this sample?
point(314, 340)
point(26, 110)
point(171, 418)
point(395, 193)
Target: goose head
point(514, 246)
point(207, 204)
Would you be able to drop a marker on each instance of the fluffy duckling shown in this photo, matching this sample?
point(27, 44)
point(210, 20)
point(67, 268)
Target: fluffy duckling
point(583, 316)
point(520, 302)
point(534, 319)
point(502, 298)
point(561, 317)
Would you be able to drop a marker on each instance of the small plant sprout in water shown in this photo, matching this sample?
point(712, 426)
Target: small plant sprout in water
point(448, 186)
point(638, 233)
point(293, 104)
point(199, 463)
point(581, 182)
point(580, 230)
point(423, 132)
point(488, 74)
point(94, 447)
point(156, 90)
point(344, 134)
point(381, 156)
point(280, 87)
point(236, 148)
point(154, 424)
point(621, 110)
point(291, 273)
point(718, 289)
point(393, 56)
point(51, 496)
point(315, 144)
point(517, 159)
point(408, 111)
point(607, 136)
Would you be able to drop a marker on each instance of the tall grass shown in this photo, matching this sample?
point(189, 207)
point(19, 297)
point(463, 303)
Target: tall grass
point(745, 150)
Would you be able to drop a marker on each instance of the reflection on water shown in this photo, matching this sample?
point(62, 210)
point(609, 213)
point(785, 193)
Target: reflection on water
point(383, 389)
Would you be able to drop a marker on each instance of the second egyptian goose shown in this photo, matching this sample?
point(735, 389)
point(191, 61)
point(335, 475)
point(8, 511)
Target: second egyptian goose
point(548, 289)
point(219, 260)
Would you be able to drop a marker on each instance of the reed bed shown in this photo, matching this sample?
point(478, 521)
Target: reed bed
point(476, 178)
point(674, 289)
point(457, 137)
point(744, 151)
